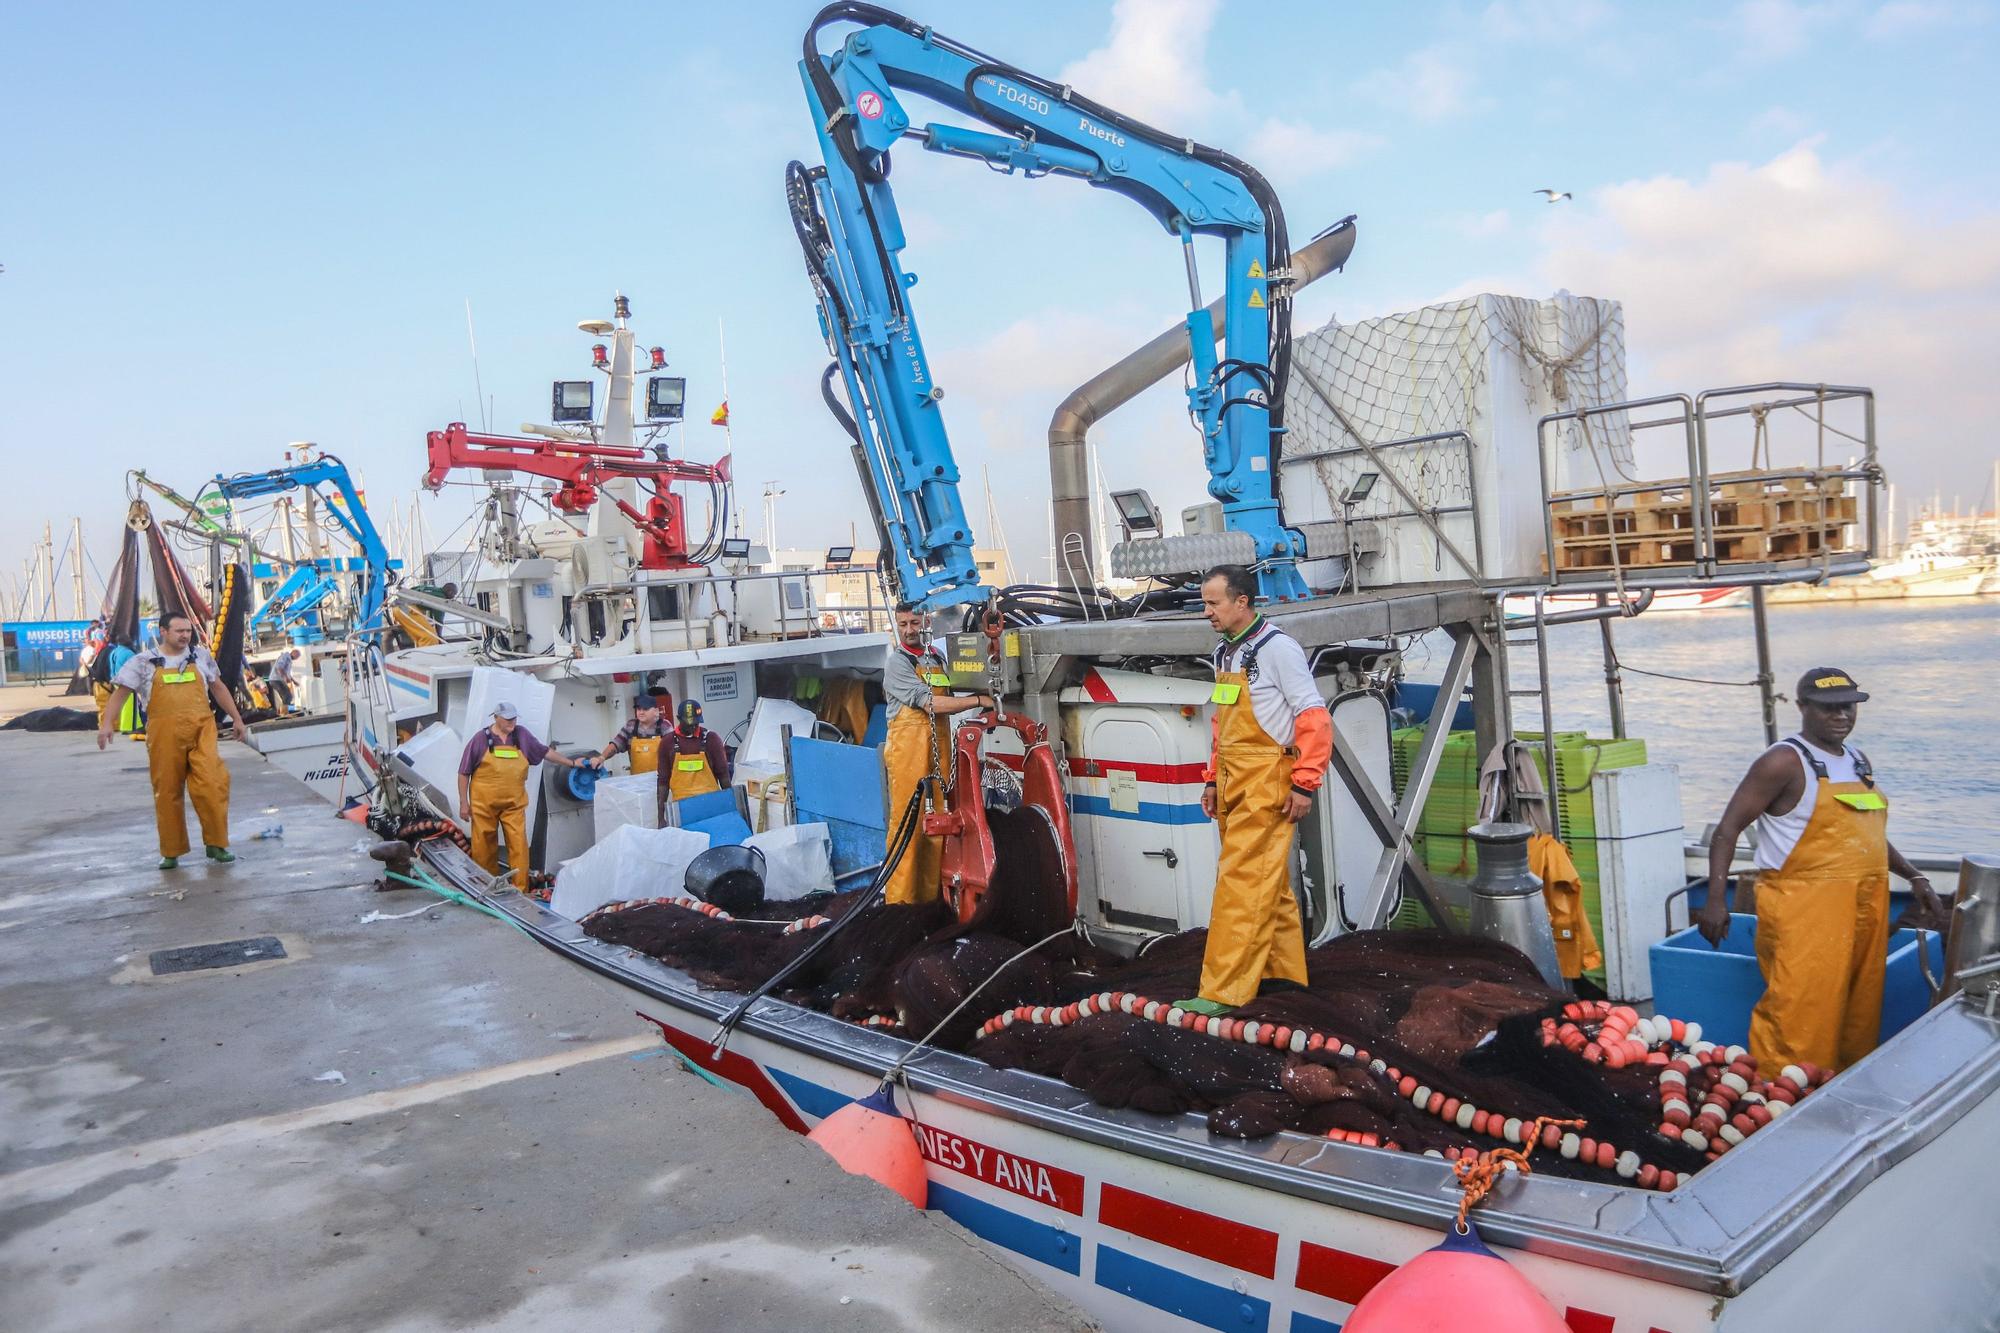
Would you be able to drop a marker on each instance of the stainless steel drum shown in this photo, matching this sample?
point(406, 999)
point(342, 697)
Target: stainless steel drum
point(1507, 903)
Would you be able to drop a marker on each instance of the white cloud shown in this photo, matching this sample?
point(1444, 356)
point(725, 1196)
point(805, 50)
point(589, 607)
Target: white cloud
point(1776, 27)
point(1428, 85)
point(1154, 65)
point(1779, 122)
point(1798, 268)
point(1543, 20)
point(1909, 16)
point(1292, 148)
point(1481, 225)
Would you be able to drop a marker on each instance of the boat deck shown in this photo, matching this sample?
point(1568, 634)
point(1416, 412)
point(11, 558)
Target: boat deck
point(503, 1145)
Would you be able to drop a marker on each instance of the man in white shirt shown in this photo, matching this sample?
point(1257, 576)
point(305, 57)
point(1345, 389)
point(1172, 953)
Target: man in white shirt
point(1824, 858)
point(174, 683)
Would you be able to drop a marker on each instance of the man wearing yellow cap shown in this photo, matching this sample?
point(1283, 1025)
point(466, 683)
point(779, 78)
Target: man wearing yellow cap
point(1823, 862)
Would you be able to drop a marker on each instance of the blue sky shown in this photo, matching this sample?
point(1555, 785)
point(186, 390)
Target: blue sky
point(226, 227)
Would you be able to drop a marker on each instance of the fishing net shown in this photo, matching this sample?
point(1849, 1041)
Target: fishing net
point(1457, 1015)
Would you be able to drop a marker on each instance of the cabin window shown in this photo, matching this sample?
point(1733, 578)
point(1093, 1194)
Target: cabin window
point(663, 603)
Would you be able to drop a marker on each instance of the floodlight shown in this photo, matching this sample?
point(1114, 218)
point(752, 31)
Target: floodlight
point(839, 555)
point(666, 397)
point(735, 548)
point(574, 400)
point(1359, 490)
point(1137, 512)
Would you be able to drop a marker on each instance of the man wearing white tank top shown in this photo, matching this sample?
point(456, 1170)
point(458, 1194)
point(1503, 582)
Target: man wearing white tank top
point(1824, 859)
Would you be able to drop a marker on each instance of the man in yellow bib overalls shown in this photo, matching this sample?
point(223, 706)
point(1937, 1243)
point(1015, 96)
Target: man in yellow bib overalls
point(917, 694)
point(1824, 858)
point(695, 761)
point(175, 684)
point(639, 737)
point(1273, 740)
point(493, 790)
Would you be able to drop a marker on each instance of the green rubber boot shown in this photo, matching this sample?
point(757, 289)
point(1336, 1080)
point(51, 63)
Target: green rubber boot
point(1206, 1008)
point(170, 863)
point(221, 855)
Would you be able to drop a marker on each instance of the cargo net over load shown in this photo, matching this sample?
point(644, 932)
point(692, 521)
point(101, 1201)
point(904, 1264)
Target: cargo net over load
point(1440, 407)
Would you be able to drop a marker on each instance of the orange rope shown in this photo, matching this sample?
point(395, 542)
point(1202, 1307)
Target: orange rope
point(1477, 1175)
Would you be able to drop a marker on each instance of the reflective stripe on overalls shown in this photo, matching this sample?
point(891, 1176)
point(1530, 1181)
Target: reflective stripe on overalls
point(1253, 923)
point(1823, 930)
point(915, 747)
point(181, 757)
point(692, 775)
point(645, 752)
point(499, 793)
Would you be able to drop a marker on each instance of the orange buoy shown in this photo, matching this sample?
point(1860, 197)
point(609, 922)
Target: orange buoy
point(1459, 1286)
point(356, 810)
point(870, 1138)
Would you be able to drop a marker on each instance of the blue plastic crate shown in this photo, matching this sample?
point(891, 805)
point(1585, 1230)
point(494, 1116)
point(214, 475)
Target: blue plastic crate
point(1718, 987)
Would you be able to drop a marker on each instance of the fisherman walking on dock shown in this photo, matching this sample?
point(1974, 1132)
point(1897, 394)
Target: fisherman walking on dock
point(493, 789)
point(1273, 738)
point(917, 691)
point(1823, 861)
point(175, 683)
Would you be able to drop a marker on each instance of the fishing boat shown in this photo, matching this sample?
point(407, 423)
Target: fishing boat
point(1155, 1221)
point(1437, 465)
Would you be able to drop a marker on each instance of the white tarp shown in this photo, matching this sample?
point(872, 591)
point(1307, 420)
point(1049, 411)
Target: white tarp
point(434, 753)
point(763, 750)
point(632, 863)
point(632, 798)
point(536, 699)
point(798, 859)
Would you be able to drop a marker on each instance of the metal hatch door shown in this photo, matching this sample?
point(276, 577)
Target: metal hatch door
point(1137, 825)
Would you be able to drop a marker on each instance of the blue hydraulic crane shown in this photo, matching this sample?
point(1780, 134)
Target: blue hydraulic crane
point(846, 218)
point(323, 471)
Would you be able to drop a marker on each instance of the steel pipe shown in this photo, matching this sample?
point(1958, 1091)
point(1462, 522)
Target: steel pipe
point(1110, 389)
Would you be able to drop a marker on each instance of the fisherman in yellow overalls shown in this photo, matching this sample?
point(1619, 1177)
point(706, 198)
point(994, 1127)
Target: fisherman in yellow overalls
point(493, 790)
point(1824, 858)
point(917, 693)
point(1273, 740)
point(175, 684)
point(639, 737)
point(698, 758)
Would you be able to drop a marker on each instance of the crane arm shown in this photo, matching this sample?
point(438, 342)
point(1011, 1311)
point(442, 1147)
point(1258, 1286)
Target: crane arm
point(845, 215)
point(349, 512)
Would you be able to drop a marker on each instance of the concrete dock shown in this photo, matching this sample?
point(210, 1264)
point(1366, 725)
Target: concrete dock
point(412, 1120)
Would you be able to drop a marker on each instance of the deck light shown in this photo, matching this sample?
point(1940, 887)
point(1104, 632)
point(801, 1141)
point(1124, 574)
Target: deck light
point(735, 548)
point(574, 400)
point(1137, 512)
point(839, 555)
point(1359, 490)
point(666, 395)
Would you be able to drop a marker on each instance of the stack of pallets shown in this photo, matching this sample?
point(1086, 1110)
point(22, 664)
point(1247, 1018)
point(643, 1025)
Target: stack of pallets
point(1754, 517)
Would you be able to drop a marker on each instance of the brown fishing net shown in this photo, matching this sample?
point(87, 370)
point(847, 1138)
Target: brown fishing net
point(1460, 1016)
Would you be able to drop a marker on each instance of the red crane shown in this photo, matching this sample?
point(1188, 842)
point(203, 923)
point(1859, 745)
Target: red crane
point(580, 468)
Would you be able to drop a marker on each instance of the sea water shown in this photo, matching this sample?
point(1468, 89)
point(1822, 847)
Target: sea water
point(1931, 667)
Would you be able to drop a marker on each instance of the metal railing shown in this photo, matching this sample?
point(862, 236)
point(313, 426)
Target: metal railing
point(1694, 418)
point(1431, 516)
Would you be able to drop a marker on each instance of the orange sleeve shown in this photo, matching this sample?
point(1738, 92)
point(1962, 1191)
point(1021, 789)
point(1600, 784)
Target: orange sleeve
point(1214, 736)
point(1312, 733)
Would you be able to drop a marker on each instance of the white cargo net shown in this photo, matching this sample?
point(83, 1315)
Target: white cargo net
point(1489, 366)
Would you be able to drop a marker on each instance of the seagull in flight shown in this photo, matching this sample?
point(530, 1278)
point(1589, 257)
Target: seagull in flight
point(1551, 196)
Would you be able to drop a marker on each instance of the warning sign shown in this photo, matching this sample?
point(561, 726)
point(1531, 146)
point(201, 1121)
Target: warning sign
point(869, 105)
point(1256, 268)
point(1256, 300)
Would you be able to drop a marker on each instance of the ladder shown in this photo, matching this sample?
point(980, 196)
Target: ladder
point(1537, 638)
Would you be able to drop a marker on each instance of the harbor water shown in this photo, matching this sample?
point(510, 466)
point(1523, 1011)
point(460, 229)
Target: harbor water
point(1931, 726)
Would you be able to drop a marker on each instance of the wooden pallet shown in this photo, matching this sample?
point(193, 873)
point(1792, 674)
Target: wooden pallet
point(1752, 518)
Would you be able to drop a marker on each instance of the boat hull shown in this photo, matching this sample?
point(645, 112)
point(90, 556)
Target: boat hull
point(1151, 1222)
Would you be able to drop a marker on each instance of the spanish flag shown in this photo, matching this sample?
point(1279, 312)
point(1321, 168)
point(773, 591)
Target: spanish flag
point(721, 417)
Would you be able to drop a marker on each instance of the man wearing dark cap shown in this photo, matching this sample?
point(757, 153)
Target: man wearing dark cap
point(1823, 862)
